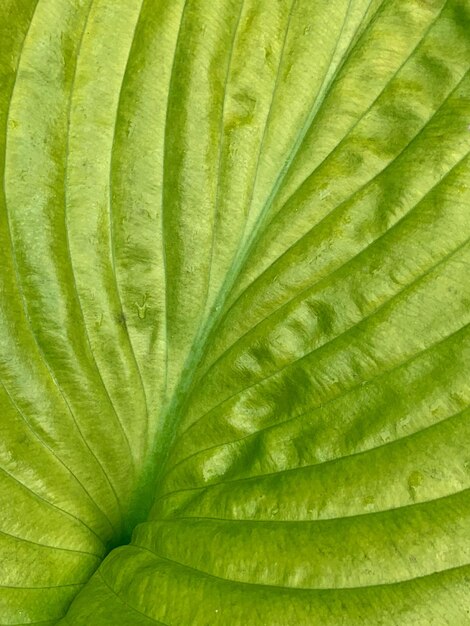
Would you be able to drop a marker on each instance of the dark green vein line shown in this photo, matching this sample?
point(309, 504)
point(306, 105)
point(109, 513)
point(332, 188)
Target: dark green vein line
point(111, 218)
point(186, 379)
point(166, 136)
point(133, 608)
point(41, 623)
point(177, 404)
point(317, 408)
point(369, 108)
point(220, 148)
point(48, 546)
point(277, 80)
point(337, 460)
point(314, 522)
point(328, 216)
point(49, 588)
point(389, 302)
point(230, 581)
point(232, 305)
point(241, 258)
point(311, 288)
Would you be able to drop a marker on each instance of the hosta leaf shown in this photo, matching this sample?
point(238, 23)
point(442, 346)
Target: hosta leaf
point(235, 341)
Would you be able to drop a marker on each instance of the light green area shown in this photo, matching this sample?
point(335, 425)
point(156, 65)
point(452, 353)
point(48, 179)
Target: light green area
point(235, 307)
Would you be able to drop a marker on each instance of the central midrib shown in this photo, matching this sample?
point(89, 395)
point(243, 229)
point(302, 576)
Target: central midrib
point(175, 407)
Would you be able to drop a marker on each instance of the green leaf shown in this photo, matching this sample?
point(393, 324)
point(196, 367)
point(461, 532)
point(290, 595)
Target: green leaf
point(235, 340)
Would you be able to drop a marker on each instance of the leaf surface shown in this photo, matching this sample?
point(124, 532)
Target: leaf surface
point(235, 341)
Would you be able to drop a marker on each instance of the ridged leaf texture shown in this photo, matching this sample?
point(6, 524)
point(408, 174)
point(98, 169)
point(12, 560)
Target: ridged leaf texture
point(235, 306)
